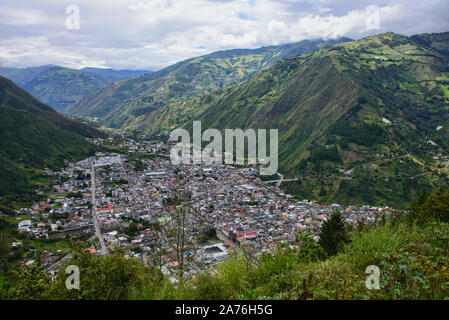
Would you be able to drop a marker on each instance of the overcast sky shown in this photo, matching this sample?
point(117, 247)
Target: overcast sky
point(151, 34)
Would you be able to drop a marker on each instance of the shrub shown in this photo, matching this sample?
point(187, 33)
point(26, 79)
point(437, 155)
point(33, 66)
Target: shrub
point(435, 205)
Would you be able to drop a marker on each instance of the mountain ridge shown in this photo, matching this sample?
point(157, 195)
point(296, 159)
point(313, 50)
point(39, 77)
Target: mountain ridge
point(13, 96)
point(122, 101)
point(336, 108)
point(34, 136)
point(60, 86)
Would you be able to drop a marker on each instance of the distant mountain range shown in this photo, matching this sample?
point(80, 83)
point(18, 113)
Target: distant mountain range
point(59, 86)
point(34, 136)
point(347, 115)
point(122, 101)
point(116, 74)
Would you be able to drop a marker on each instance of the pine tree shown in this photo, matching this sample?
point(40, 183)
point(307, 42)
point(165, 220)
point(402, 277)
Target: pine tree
point(333, 234)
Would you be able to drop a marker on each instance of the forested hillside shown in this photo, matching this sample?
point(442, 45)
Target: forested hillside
point(59, 86)
point(33, 136)
point(356, 120)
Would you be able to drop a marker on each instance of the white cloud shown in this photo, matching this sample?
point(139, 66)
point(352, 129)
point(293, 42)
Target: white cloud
point(330, 26)
point(155, 33)
point(21, 17)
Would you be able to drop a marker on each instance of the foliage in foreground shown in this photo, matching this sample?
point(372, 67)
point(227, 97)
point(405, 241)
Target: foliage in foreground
point(112, 277)
point(413, 261)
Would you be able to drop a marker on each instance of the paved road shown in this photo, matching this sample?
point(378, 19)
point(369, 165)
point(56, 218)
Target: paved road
point(281, 176)
point(104, 249)
point(379, 160)
point(279, 182)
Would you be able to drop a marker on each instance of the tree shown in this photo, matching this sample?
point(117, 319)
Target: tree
point(249, 253)
point(435, 205)
point(208, 233)
point(185, 230)
point(5, 249)
point(156, 257)
point(132, 229)
point(309, 250)
point(111, 277)
point(34, 283)
point(333, 234)
point(180, 215)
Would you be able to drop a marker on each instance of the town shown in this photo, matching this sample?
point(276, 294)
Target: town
point(178, 217)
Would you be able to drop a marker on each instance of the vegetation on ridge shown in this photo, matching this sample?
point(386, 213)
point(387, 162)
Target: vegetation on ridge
point(121, 102)
point(32, 137)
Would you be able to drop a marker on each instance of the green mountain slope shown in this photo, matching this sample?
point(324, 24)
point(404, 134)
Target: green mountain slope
point(122, 101)
point(34, 136)
point(347, 115)
point(14, 97)
point(59, 86)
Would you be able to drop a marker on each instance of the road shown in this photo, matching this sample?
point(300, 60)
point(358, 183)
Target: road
point(281, 176)
point(379, 160)
point(279, 182)
point(104, 249)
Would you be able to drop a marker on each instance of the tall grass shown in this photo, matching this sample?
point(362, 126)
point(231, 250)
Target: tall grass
point(411, 257)
point(371, 246)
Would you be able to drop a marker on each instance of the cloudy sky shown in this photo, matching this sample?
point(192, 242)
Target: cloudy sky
point(151, 34)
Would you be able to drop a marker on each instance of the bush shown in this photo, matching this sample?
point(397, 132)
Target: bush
point(309, 250)
point(34, 283)
point(111, 277)
point(435, 205)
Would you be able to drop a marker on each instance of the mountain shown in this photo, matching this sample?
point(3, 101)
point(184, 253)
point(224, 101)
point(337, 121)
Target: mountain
point(14, 97)
point(116, 74)
point(34, 136)
point(59, 86)
point(359, 122)
point(122, 101)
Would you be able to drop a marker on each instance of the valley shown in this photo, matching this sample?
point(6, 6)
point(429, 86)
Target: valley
point(336, 108)
point(128, 201)
point(87, 176)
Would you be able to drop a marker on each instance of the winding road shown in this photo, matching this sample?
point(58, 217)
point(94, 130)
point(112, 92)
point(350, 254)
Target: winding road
point(279, 182)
